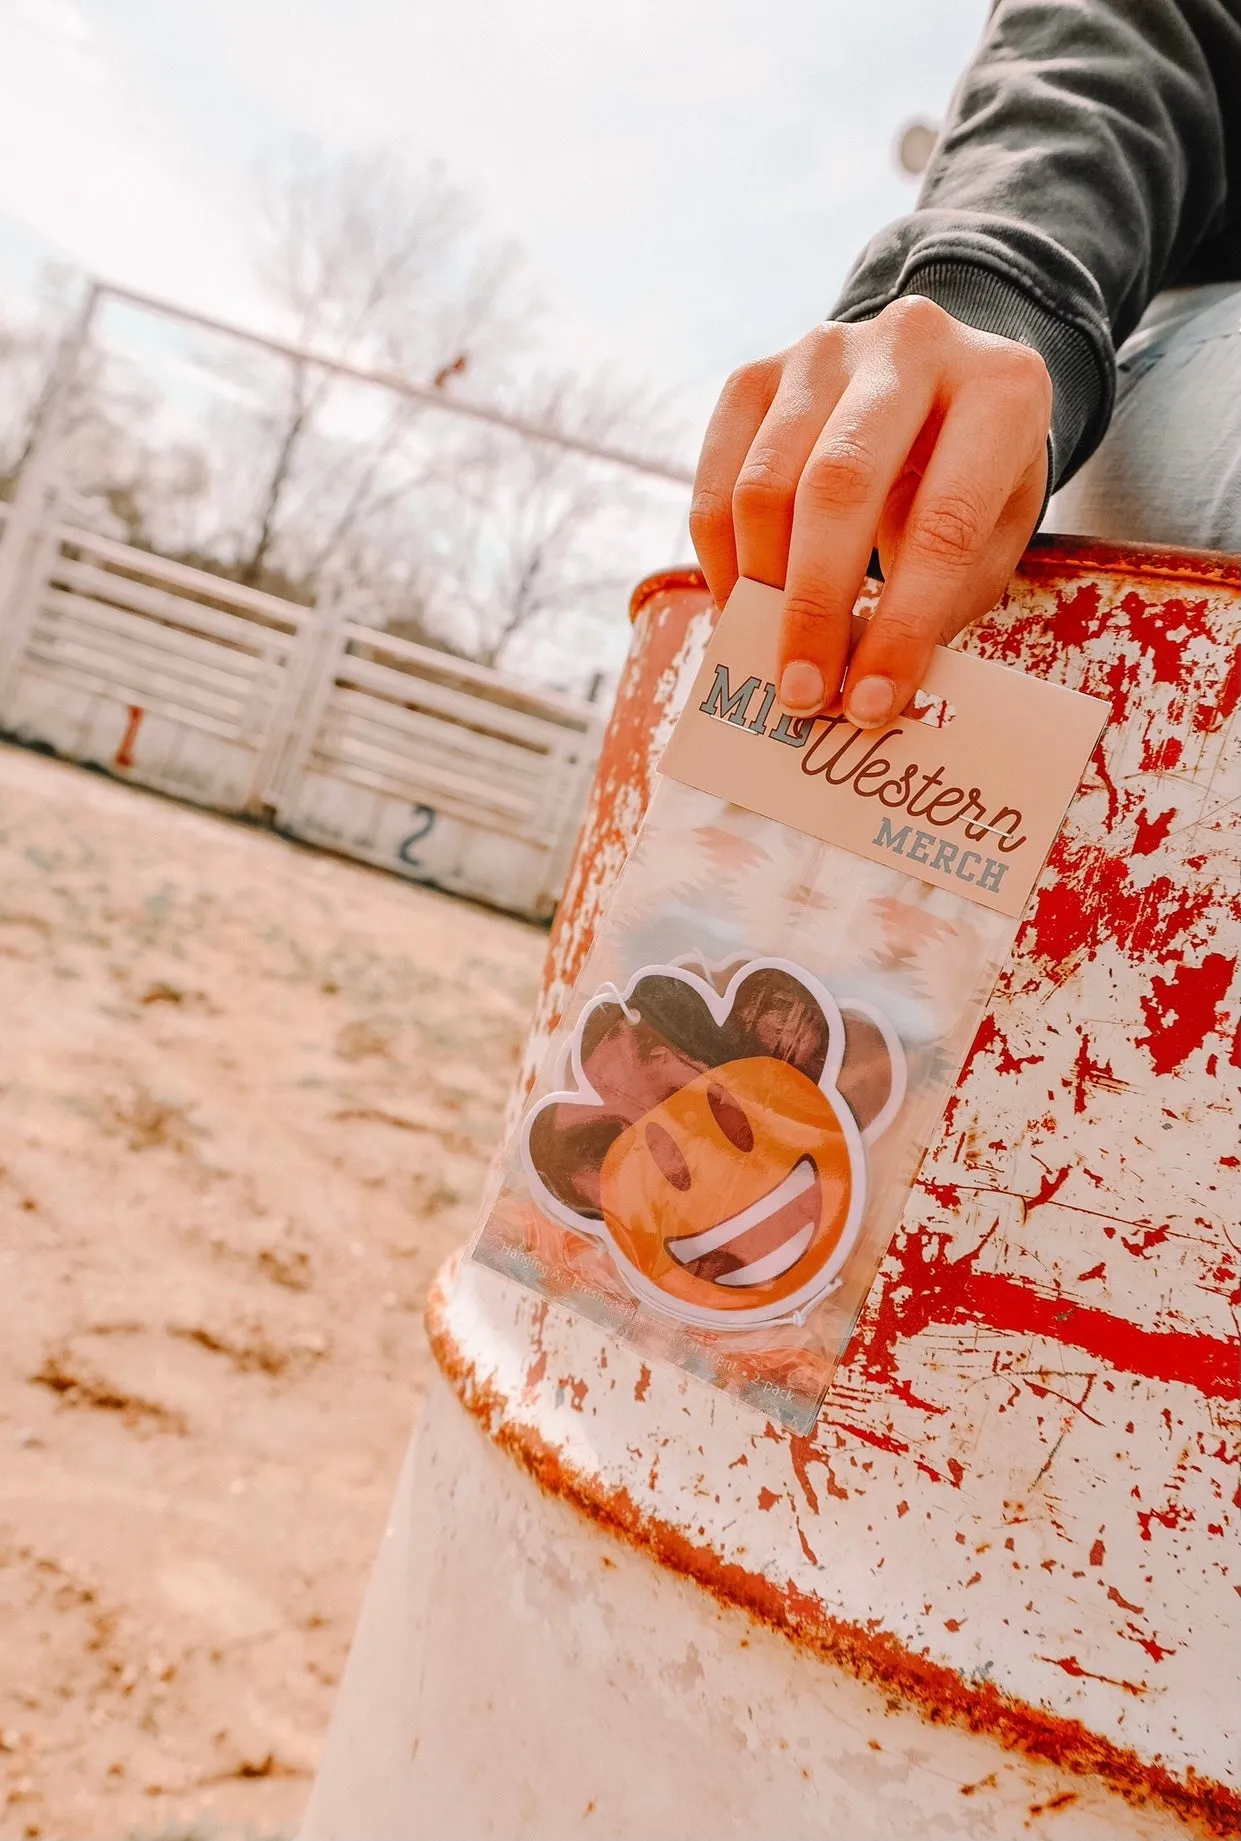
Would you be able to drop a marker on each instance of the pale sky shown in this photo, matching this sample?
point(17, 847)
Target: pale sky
point(688, 179)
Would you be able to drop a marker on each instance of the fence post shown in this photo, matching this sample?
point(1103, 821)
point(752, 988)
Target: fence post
point(22, 546)
point(310, 676)
point(17, 618)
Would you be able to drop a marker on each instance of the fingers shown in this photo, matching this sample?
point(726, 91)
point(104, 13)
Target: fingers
point(765, 493)
point(961, 535)
point(909, 429)
point(737, 417)
point(841, 494)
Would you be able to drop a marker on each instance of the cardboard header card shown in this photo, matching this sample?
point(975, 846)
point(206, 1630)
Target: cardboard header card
point(966, 792)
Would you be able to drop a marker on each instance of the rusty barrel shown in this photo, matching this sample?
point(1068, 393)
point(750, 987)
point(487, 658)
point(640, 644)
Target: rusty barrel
point(996, 1592)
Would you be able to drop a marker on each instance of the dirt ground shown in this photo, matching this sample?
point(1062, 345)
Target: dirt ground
point(247, 1095)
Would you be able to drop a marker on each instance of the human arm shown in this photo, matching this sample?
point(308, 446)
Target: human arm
point(1090, 158)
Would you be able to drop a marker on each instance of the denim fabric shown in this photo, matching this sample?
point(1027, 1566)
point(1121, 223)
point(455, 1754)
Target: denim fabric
point(1169, 468)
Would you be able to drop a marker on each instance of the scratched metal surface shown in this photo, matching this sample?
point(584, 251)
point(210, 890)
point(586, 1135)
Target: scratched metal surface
point(1018, 1509)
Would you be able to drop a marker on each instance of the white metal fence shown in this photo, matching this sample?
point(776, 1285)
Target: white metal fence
point(408, 758)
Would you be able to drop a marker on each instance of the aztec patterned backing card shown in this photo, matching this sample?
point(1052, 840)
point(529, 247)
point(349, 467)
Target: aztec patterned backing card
point(768, 1026)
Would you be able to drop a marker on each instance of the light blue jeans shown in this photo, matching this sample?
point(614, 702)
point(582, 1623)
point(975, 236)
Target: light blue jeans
point(1169, 468)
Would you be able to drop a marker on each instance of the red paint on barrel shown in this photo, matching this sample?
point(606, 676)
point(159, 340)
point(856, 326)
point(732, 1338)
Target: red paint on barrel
point(1164, 757)
point(1206, 1363)
point(804, 1452)
point(1094, 899)
point(1152, 831)
point(948, 1195)
point(1183, 1010)
point(1072, 1666)
point(1213, 716)
point(1080, 615)
point(932, 1288)
point(991, 1040)
point(1049, 1188)
point(1088, 1073)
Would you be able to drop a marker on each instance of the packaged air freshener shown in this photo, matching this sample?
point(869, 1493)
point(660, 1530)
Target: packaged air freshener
point(771, 1019)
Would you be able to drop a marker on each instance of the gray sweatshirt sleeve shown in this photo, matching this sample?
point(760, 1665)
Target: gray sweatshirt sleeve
point(1092, 155)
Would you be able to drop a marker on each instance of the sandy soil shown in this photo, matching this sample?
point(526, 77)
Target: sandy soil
point(247, 1095)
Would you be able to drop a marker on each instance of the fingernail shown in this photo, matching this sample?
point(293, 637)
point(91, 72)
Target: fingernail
point(870, 702)
point(802, 689)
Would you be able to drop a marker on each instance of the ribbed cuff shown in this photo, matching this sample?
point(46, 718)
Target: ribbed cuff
point(981, 297)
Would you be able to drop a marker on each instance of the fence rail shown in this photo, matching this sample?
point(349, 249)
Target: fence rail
point(438, 769)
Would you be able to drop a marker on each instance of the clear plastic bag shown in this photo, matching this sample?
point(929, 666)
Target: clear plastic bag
point(728, 1121)
point(764, 1036)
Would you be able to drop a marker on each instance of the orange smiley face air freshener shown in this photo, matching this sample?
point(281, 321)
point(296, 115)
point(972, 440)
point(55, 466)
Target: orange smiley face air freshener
point(713, 1138)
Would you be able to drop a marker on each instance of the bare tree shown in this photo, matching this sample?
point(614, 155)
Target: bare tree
point(432, 526)
point(543, 534)
point(368, 261)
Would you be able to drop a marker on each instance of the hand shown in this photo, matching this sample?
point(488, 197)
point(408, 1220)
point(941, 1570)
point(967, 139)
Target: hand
point(910, 433)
